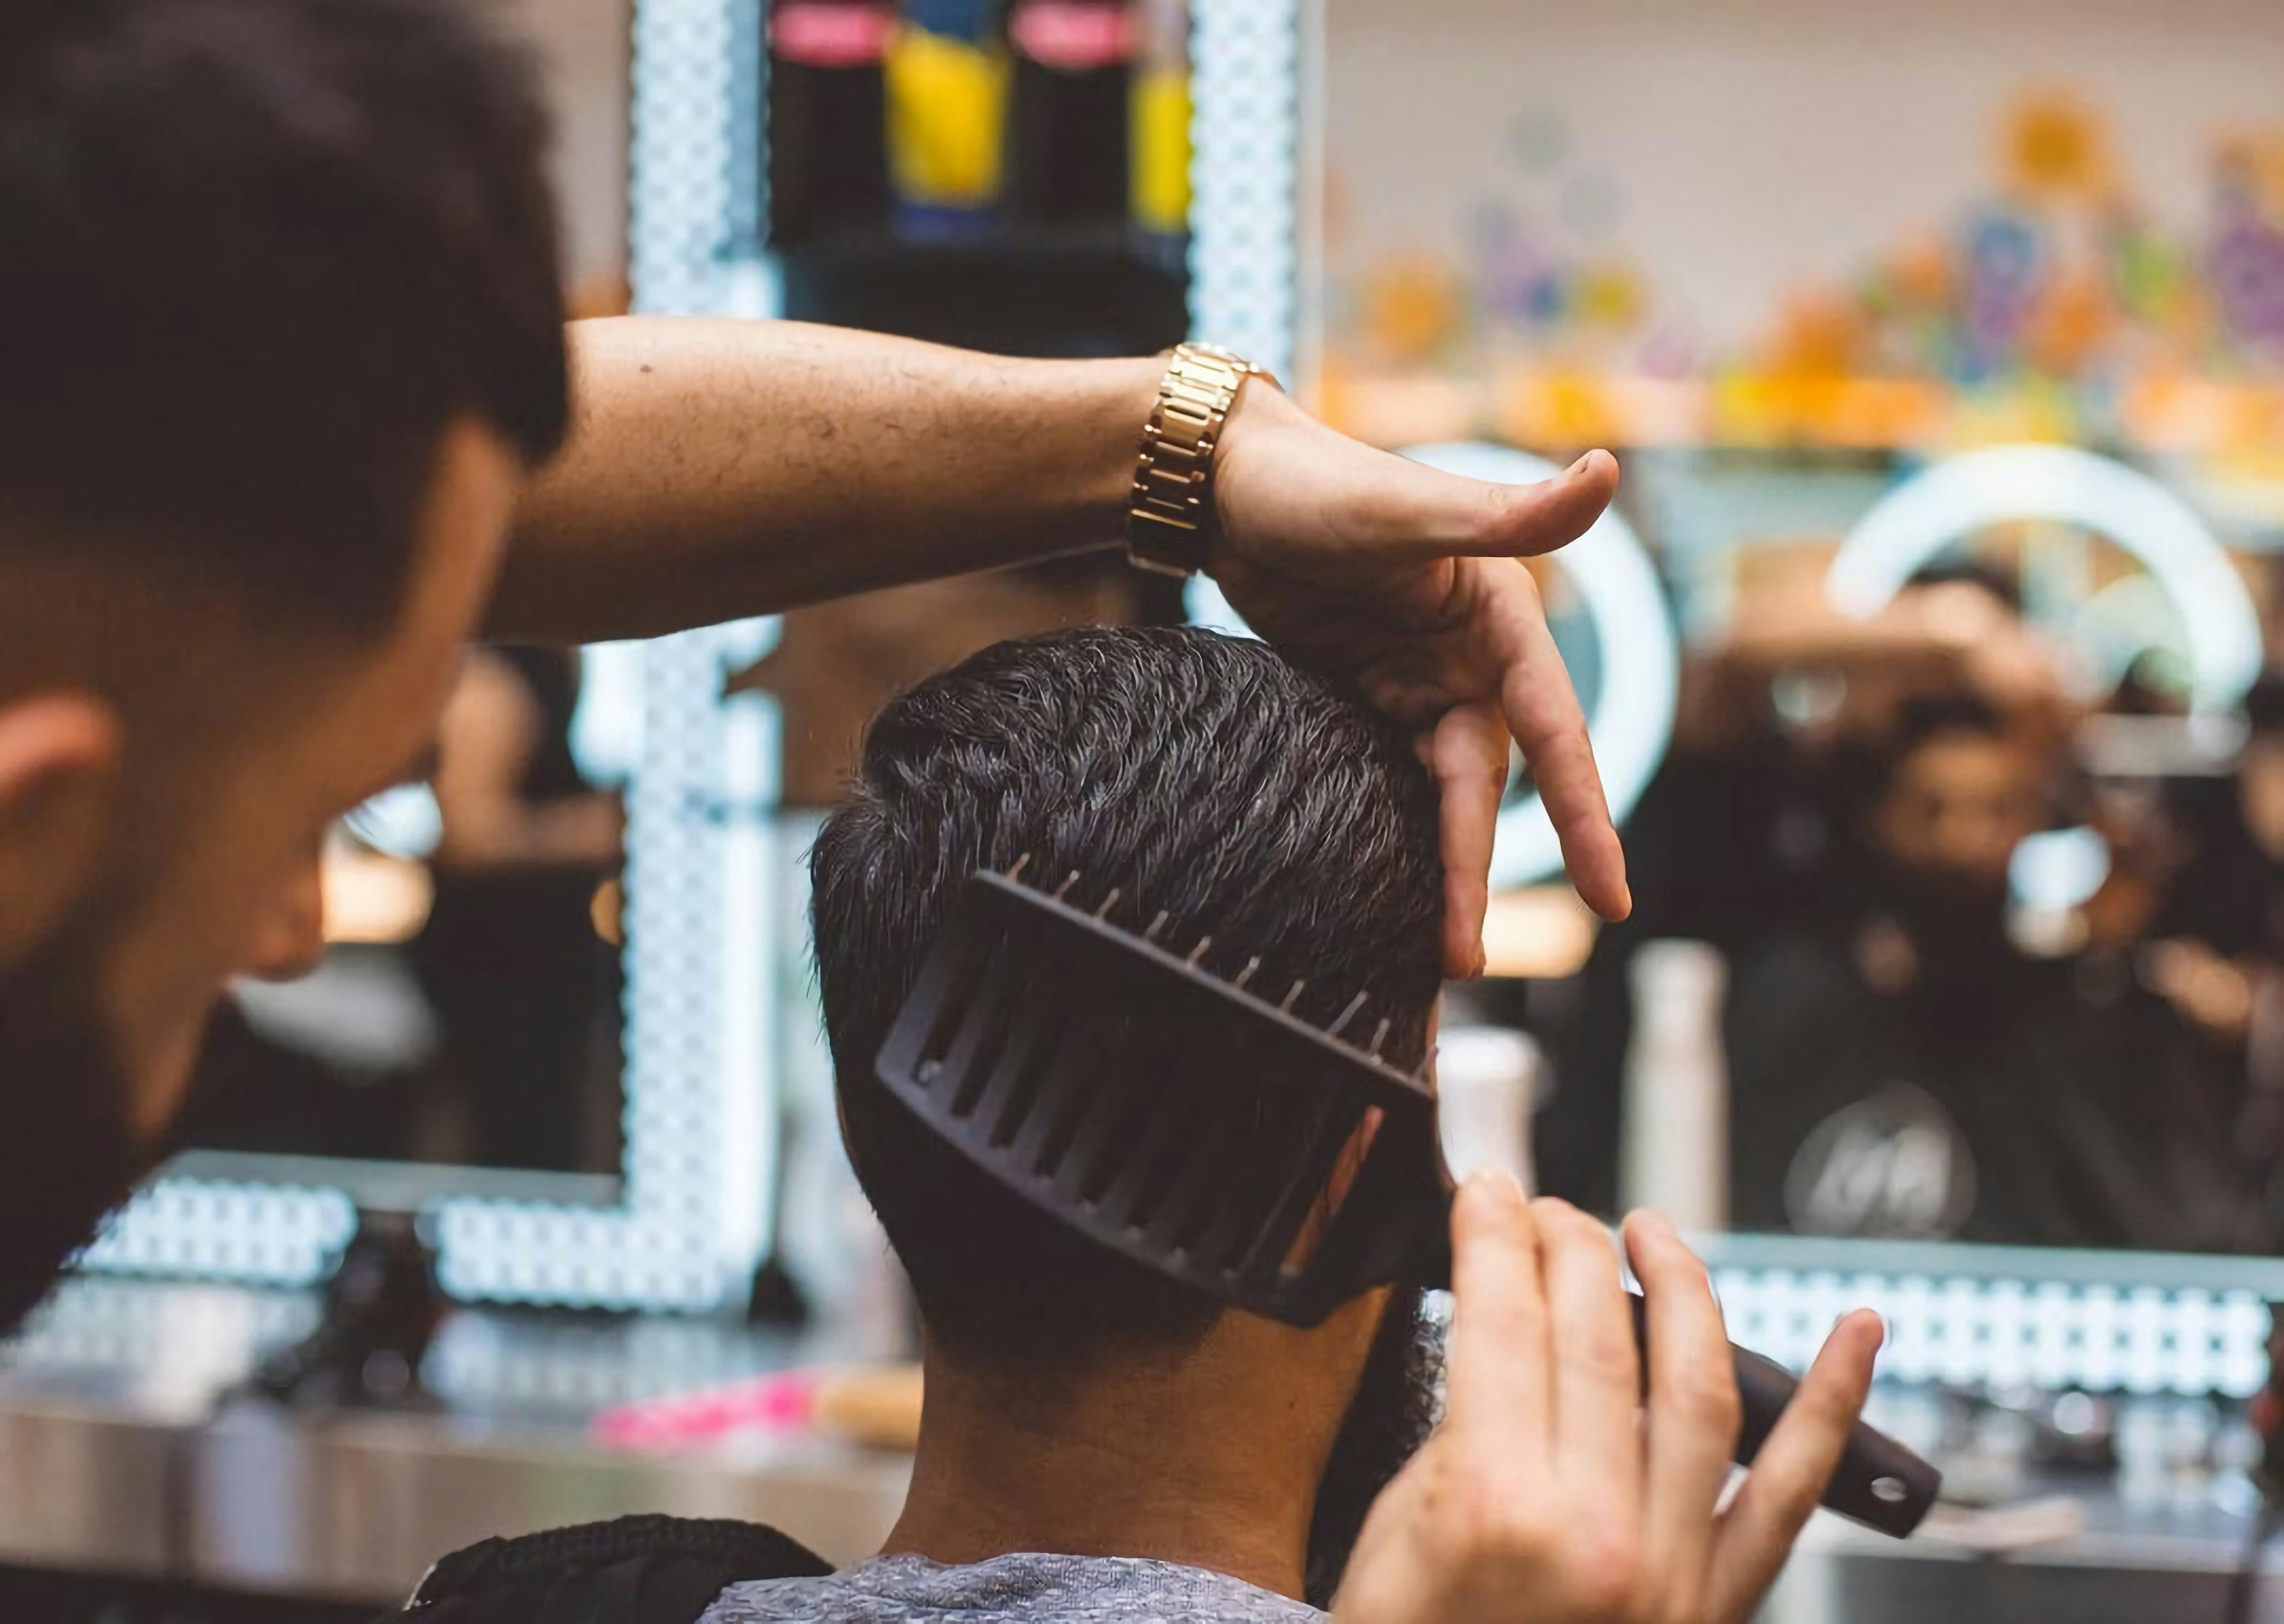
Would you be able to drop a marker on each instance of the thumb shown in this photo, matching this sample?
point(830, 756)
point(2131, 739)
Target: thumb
point(1433, 514)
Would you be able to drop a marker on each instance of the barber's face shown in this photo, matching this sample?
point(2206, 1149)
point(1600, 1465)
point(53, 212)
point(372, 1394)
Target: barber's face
point(2260, 792)
point(1959, 806)
point(100, 1020)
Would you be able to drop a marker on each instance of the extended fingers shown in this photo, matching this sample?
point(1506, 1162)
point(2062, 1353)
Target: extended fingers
point(1468, 752)
point(1794, 1466)
point(1597, 1370)
point(1695, 1410)
point(1542, 714)
point(1497, 1380)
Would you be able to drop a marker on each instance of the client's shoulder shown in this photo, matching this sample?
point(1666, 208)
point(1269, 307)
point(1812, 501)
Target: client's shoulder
point(1020, 1588)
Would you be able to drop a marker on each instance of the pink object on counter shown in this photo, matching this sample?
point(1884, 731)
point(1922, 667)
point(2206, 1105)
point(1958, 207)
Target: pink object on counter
point(782, 1402)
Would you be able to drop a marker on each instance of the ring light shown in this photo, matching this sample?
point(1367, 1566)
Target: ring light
point(1920, 518)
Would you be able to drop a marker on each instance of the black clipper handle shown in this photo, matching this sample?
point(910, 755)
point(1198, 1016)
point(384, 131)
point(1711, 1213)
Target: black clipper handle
point(1878, 1483)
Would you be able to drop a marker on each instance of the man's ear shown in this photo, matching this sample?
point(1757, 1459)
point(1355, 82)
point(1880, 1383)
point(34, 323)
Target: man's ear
point(59, 757)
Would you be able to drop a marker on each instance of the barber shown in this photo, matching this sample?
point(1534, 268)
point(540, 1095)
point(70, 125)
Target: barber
point(282, 377)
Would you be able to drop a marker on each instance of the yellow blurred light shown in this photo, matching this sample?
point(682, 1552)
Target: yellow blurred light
point(1542, 933)
point(2056, 146)
point(371, 899)
point(1412, 309)
point(1160, 164)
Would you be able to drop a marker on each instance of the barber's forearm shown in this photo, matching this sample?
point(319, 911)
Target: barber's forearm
point(719, 469)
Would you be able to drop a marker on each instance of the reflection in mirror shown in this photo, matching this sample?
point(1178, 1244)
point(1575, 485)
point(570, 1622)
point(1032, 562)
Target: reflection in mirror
point(467, 1008)
point(1960, 886)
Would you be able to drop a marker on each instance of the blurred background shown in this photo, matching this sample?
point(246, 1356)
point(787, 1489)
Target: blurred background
point(1932, 653)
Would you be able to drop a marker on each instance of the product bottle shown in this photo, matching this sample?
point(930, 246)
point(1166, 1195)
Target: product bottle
point(947, 77)
point(1068, 109)
point(1674, 1146)
point(1158, 136)
point(827, 138)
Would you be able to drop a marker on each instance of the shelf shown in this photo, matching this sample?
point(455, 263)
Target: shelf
point(1012, 290)
point(2167, 417)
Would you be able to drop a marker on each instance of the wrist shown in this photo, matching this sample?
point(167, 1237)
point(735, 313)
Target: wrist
point(1173, 522)
point(1107, 401)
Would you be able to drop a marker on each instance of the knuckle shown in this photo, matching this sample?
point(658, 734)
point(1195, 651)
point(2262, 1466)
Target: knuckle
point(1709, 1398)
point(1791, 1502)
point(1483, 1515)
point(1612, 1363)
point(1830, 1409)
point(1605, 1574)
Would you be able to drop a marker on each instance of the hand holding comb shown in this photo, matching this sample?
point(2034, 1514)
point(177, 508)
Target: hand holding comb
point(1120, 1087)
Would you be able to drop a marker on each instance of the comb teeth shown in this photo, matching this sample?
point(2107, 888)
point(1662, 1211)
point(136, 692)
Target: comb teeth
point(1119, 1083)
point(982, 1033)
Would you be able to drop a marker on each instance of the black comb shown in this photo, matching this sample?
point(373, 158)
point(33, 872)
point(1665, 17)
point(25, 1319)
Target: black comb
point(1115, 1083)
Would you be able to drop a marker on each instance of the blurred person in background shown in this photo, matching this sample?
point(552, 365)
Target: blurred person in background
point(2214, 945)
point(1748, 834)
point(281, 358)
point(1907, 1069)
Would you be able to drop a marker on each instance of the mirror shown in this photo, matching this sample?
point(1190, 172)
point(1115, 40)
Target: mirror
point(1941, 393)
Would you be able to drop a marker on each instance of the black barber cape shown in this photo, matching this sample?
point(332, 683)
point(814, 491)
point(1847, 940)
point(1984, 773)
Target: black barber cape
point(1982, 1096)
point(637, 1570)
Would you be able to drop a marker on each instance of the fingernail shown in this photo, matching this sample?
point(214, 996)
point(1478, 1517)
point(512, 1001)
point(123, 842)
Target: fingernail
point(1579, 466)
point(1879, 1319)
point(1499, 1186)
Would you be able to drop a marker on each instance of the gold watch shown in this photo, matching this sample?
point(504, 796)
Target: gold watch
point(1169, 525)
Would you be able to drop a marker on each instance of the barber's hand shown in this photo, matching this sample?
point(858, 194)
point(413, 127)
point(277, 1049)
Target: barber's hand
point(1553, 1494)
point(1405, 580)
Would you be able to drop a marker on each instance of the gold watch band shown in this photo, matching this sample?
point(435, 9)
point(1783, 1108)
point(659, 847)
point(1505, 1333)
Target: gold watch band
point(1171, 522)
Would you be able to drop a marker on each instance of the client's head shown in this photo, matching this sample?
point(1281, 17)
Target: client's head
point(1200, 776)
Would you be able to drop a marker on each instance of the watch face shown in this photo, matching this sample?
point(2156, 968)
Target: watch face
point(1894, 1165)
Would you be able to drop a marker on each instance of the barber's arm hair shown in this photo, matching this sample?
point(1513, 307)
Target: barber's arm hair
point(720, 468)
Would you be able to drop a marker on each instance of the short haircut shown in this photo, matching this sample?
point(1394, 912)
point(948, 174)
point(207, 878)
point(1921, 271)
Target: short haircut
point(1197, 774)
point(258, 255)
point(1996, 582)
point(1921, 720)
point(2263, 706)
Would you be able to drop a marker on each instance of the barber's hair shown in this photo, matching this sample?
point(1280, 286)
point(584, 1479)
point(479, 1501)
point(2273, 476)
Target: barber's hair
point(2264, 705)
point(256, 256)
point(1927, 717)
point(2001, 585)
point(1197, 774)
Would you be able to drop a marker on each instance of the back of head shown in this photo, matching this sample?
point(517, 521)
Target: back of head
point(1200, 774)
point(258, 255)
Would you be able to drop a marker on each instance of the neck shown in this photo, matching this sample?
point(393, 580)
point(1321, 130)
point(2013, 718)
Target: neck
point(1210, 1459)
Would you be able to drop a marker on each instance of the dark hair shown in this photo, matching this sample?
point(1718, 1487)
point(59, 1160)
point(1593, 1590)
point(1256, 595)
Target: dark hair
point(2002, 585)
point(257, 254)
point(2264, 705)
point(1929, 717)
point(1199, 774)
